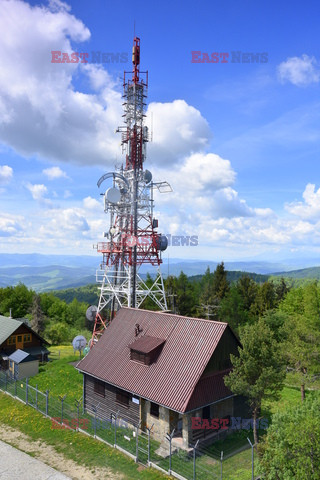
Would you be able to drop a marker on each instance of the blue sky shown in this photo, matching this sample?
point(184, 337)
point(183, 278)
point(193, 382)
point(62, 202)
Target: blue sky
point(238, 142)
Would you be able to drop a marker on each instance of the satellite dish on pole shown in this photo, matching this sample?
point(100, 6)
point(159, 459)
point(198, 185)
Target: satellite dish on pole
point(113, 195)
point(147, 176)
point(91, 313)
point(78, 343)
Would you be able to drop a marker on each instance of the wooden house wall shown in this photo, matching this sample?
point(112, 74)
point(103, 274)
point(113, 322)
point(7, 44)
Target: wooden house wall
point(107, 405)
point(22, 330)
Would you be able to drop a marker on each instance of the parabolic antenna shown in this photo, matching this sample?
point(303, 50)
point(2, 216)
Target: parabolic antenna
point(113, 195)
point(162, 242)
point(91, 313)
point(79, 342)
point(147, 176)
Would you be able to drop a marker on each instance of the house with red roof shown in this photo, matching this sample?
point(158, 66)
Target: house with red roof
point(165, 370)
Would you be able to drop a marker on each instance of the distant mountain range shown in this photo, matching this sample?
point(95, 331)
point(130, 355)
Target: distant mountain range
point(54, 272)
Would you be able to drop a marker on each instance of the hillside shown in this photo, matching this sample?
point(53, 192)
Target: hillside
point(303, 273)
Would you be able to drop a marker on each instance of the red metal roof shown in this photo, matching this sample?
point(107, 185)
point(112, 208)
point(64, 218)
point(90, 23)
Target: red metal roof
point(171, 380)
point(146, 344)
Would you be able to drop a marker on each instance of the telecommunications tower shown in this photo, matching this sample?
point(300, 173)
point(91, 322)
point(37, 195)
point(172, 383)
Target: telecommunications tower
point(132, 239)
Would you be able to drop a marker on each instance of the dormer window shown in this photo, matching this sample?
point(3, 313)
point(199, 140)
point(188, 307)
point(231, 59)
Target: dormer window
point(146, 349)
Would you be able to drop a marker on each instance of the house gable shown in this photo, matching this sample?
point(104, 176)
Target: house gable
point(170, 380)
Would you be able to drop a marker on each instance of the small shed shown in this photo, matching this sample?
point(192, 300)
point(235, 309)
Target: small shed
point(23, 365)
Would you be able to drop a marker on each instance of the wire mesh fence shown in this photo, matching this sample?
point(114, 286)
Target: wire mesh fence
point(195, 463)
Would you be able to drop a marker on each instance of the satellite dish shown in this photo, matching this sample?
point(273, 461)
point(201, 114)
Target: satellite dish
point(79, 342)
point(162, 242)
point(91, 313)
point(113, 195)
point(147, 176)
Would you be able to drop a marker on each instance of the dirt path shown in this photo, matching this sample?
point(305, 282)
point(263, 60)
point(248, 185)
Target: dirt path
point(48, 455)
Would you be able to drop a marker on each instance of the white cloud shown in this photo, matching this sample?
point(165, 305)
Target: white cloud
point(6, 174)
point(70, 220)
point(54, 172)
point(43, 112)
point(10, 225)
point(310, 208)
point(91, 203)
point(178, 130)
point(299, 70)
point(37, 190)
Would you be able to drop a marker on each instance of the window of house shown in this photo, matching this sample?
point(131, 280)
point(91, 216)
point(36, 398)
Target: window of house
point(139, 357)
point(11, 340)
point(123, 398)
point(27, 338)
point(206, 412)
point(19, 338)
point(154, 409)
point(99, 388)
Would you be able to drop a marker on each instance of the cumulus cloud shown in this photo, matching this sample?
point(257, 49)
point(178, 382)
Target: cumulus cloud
point(42, 112)
point(6, 174)
point(37, 190)
point(70, 220)
point(300, 71)
point(203, 183)
point(10, 225)
point(91, 203)
point(54, 172)
point(178, 130)
point(310, 207)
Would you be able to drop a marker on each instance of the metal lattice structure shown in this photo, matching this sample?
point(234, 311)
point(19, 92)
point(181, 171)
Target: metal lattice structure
point(132, 239)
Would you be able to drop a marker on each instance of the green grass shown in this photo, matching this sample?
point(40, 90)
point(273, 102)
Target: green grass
point(60, 378)
point(75, 446)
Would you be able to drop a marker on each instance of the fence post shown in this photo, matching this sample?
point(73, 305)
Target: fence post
point(252, 457)
point(115, 428)
point(95, 420)
point(221, 459)
point(149, 433)
point(27, 380)
point(47, 403)
point(137, 443)
point(6, 381)
point(78, 412)
point(194, 460)
point(62, 399)
point(36, 396)
point(15, 387)
point(169, 438)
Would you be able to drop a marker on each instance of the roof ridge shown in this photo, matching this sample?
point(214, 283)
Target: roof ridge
point(174, 315)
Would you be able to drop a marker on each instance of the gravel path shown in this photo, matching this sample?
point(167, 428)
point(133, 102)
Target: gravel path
point(16, 465)
point(44, 455)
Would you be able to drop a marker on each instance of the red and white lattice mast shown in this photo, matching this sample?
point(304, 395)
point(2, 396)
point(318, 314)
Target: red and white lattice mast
point(132, 239)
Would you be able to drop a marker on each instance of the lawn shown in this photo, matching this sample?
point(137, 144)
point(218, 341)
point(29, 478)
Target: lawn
point(80, 448)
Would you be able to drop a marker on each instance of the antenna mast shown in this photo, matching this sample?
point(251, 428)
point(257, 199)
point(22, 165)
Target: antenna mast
point(132, 239)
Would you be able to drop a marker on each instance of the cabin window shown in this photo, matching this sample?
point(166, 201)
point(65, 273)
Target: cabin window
point(99, 388)
point(27, 338)
point(206, 412)
point(154, 409)
point(140, 357)
point(19, 338)
point(11, 340)
point(123, 398)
